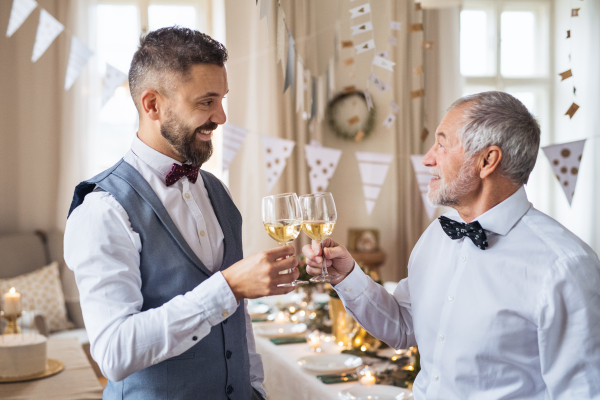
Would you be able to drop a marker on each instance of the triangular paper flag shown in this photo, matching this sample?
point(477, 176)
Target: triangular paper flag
point(265, 11)
point(79, 56)
point(113, 78)
point(281, 38)
point(233, 137)
point(423, 177)
point(299, 85)
point(276, 153)
point(290, 64)
point(564, 160)
point(48, 29)
point(366, 27)
point(373, 169)
point(18, 14)
point(366, 46)
point(322, 162)
point(384, 63)
point(360, 10)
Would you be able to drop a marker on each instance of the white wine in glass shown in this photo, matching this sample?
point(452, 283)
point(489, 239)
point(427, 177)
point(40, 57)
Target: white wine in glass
point(318, 220)
point(282, 219)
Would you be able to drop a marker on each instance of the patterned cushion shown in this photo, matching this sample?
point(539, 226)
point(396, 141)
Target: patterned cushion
point(41, 291)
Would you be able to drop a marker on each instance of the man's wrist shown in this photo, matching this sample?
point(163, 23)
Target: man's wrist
point(340, 279)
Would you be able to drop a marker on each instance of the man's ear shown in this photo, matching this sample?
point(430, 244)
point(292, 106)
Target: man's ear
point(489, 161)
point(150, 100)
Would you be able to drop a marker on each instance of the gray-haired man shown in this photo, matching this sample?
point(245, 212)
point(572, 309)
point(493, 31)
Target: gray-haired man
point(503, 301)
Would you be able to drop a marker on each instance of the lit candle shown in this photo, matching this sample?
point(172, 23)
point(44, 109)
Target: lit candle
point(12, 303)
point(280, 319)
point(368, 379)
point(314, 341)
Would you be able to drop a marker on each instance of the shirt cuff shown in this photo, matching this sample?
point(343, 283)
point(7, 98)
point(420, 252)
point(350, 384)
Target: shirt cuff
point(353, 285)
point(217, 299)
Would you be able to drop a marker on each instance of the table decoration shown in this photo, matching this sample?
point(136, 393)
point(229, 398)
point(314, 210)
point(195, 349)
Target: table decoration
point(366, 376)
point(314, 341)
point(12, 311)
point(53, 367)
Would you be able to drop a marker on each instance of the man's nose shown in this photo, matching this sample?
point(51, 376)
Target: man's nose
point(429, 158)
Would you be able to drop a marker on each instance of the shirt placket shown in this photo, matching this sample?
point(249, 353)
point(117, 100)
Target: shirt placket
point(200, 224)
point(451, 296)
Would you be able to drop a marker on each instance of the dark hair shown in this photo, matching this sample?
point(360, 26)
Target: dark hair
point(174, 49)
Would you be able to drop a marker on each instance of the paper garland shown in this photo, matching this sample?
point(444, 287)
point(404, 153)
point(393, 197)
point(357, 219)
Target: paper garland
point(79, 56)
point(233, 138)
point(383, 63)
point(366, 46)
point(281, 38)
point(373, 169)
point(360, 28)
point(21, 9)
point(265, 11)
point(276, 153)
point(565, 160)
point(360, 10)
point(290, 64)
point(423, 177)
point(323, 162)
point(48, 29)
point(113, 78)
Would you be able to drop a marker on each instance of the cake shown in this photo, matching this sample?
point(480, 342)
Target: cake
point(22, 355)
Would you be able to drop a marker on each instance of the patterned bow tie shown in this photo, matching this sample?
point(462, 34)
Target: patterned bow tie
point(179, 171)
point(457, 230)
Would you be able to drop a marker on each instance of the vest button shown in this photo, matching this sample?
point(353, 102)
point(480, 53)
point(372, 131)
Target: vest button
point(229, 389)
point(228, 354)
point(225, 321)
point(194, 338)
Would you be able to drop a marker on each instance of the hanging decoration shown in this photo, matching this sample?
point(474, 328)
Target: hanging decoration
point(265, 11)
point(281, 38)
point(373, 169)
point(113, 78)
point(233, 138)
point(48, 29)
point(276, 153)
point(349, 113)
point(290, 64)
point(21, 9)
point(323, 162)
point(423, 177)
point(360, 10)
point(565, 160)
point(79, 56)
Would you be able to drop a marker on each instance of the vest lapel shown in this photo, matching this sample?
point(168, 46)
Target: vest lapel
point(139, 184)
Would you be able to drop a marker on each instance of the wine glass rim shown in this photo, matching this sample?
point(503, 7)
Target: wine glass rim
point(317, 194)
point(275, 196)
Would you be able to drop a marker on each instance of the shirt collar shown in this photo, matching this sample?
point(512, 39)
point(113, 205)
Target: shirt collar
point(501, 218)
point(155, 159)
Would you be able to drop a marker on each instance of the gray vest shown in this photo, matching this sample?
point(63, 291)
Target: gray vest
point(216, 367)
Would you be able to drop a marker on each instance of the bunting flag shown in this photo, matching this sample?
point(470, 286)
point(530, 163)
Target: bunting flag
point(79, 56)
point(389, 121)
point(265, 11)
point(299, 85)
point(423, 177)
point(373, 170)
point(314, 101)
point(360, 10)
point(281, 38)
point(366, 46)
point(395, 25)
point(330, 79)
point(113, 78)
point(384, 63)
point(384, 54)
point(321, 100)
point(369, 99)
point(366, 27)
point(572, 110)
point(290, 64)
point(21, 9)
point(565, 75)
point(565, 160)
point(379, 84)
point(322, 162)
point(233, 137)
point(48, 29)
point(276, 152)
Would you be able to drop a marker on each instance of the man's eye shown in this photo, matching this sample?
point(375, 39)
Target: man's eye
point(207, 103)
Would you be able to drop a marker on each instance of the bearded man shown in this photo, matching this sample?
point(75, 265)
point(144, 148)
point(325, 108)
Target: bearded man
point(502, 301)
point(156, 246)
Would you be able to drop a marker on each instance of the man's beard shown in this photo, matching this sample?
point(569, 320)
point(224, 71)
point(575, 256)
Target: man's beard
point(451, 194)
point(184, 139)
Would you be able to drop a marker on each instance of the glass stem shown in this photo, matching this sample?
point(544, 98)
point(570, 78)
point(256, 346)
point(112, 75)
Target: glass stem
point(324, 264)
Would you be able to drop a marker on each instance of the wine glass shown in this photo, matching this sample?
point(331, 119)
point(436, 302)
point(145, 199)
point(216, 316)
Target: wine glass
point(318, 221)
point(282, 219)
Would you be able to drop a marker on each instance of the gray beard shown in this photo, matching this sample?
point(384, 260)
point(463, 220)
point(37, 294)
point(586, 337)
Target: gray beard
point(451, 194)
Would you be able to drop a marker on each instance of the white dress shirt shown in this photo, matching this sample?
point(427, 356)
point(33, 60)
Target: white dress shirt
point(104, 252)
point(519, 320)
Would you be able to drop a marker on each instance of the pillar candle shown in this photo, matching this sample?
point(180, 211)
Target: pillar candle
point(12, 303)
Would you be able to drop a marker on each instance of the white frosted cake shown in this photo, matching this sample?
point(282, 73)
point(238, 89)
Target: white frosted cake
point(22, 355)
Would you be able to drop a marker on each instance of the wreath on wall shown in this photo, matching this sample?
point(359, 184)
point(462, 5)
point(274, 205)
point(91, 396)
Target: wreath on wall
point(349, 116)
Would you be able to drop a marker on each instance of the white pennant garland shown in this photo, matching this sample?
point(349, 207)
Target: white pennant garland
point(565, 160)
point(299, 85)
point(113, 78)
point(265, 11)
point(373, 170)
point(322, 162)
point(276, 152)
point(360, 28)
point(233, 138)
point(366, 46)
point(423, 177)
point(79, 56)
point(360, 10)
point(21, 9)
point(384, 63)
point(48, 29)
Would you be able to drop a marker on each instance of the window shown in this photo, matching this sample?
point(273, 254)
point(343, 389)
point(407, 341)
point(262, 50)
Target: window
point(119, 24)
point(504, 45)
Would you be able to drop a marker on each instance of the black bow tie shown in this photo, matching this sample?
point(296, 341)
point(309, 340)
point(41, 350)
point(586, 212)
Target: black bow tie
point(458, 230)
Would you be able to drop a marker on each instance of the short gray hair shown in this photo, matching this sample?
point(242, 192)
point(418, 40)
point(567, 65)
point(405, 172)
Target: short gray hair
point(499, 119)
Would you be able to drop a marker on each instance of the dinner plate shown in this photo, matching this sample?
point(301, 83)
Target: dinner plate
point(330, 363)
point(275, 330)
point(257, 310)
point(375, 392)
point(283, 300)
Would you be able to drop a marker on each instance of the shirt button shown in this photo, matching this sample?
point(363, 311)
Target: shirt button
point(194, 338)
point(436, 378)
point(442, 338)
point(463, 258)
point(450, 298)
point(228, 354)
point(187, 195)
point(348, 289)
point(225, 314)
point(202, 233)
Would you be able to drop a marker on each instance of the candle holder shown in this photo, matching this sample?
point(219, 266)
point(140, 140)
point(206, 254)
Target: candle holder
point(11, 323)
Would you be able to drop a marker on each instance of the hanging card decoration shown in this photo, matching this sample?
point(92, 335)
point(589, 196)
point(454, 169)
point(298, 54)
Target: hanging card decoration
point(290, 64)
point(379, 84)
point(281, 38)
point(233, 137)
point(565, 75)
point(366, 27)
point(384, 63)
point(415, 27)
point(564, 160)
point(373, 169)
point(366, 46)
point(360, 10)
point(113, 78)
point(572, 110)
point(21, 9)
point(423, 177)
point(265, 11)
point(299, 85)
point(322, 162)
point(276, 152)
point(48, 29)
point(79, 56)
point(395, 25)
point(321, 102)
point(389, 121)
